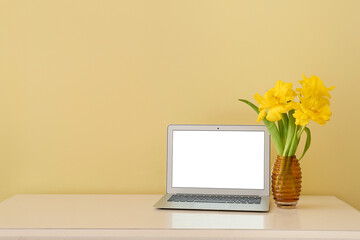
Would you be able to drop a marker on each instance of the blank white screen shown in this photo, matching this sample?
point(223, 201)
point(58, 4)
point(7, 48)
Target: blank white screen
point(218, 159)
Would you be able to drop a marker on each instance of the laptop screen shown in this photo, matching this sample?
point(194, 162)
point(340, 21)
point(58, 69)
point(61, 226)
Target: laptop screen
point(218, 159)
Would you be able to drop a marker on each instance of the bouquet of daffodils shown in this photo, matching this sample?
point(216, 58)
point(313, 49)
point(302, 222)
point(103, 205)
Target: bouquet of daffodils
point(287, 119)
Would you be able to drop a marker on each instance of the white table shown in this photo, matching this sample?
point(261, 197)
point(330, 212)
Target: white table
point(60, 216)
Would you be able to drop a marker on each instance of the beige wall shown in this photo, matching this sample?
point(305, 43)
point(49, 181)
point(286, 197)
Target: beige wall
point(88, 87)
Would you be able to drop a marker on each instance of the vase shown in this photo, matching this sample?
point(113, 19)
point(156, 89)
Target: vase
point(286, 181)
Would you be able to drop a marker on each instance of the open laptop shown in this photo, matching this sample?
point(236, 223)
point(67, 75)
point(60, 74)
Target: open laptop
point(217, 167)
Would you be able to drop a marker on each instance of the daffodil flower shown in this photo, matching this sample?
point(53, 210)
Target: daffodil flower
point(314, 102)
point(286, 119)
point(276, 101)
point(313, 108)
point(314, 87)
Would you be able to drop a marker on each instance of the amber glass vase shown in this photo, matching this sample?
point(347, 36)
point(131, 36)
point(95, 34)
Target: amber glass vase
point(286, 181)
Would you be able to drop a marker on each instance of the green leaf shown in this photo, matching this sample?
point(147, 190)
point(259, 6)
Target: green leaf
point(253, 106)
point(307, 143)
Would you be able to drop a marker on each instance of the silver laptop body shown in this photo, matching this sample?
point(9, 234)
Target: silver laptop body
point(210, 167)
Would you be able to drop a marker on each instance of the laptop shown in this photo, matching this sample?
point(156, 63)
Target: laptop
point(217, 167)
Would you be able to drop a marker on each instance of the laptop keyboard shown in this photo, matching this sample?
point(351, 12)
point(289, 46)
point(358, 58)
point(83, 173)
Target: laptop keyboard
point(215, 199)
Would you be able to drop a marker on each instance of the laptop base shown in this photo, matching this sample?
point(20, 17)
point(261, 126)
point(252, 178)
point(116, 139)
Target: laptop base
point(163, 203)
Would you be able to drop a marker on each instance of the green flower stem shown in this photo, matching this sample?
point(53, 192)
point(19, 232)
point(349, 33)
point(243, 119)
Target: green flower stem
point(294, 143)
point(296, 140)
point(281, 131)
point(290, 134)
point(301, 131)
point(285, 121)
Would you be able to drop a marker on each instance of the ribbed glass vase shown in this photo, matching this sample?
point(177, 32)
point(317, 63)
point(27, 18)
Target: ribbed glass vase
point(286, 181)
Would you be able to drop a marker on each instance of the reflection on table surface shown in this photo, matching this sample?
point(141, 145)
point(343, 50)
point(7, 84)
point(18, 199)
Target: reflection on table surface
point(205, 220)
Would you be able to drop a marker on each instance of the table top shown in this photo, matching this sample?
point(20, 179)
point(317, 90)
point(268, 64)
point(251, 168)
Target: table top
point(57, 211)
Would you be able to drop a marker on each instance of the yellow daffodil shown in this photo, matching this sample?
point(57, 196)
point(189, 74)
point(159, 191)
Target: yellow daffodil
point(312, 108)
point(314, 102)
point(276, 101)
point(313, 87)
